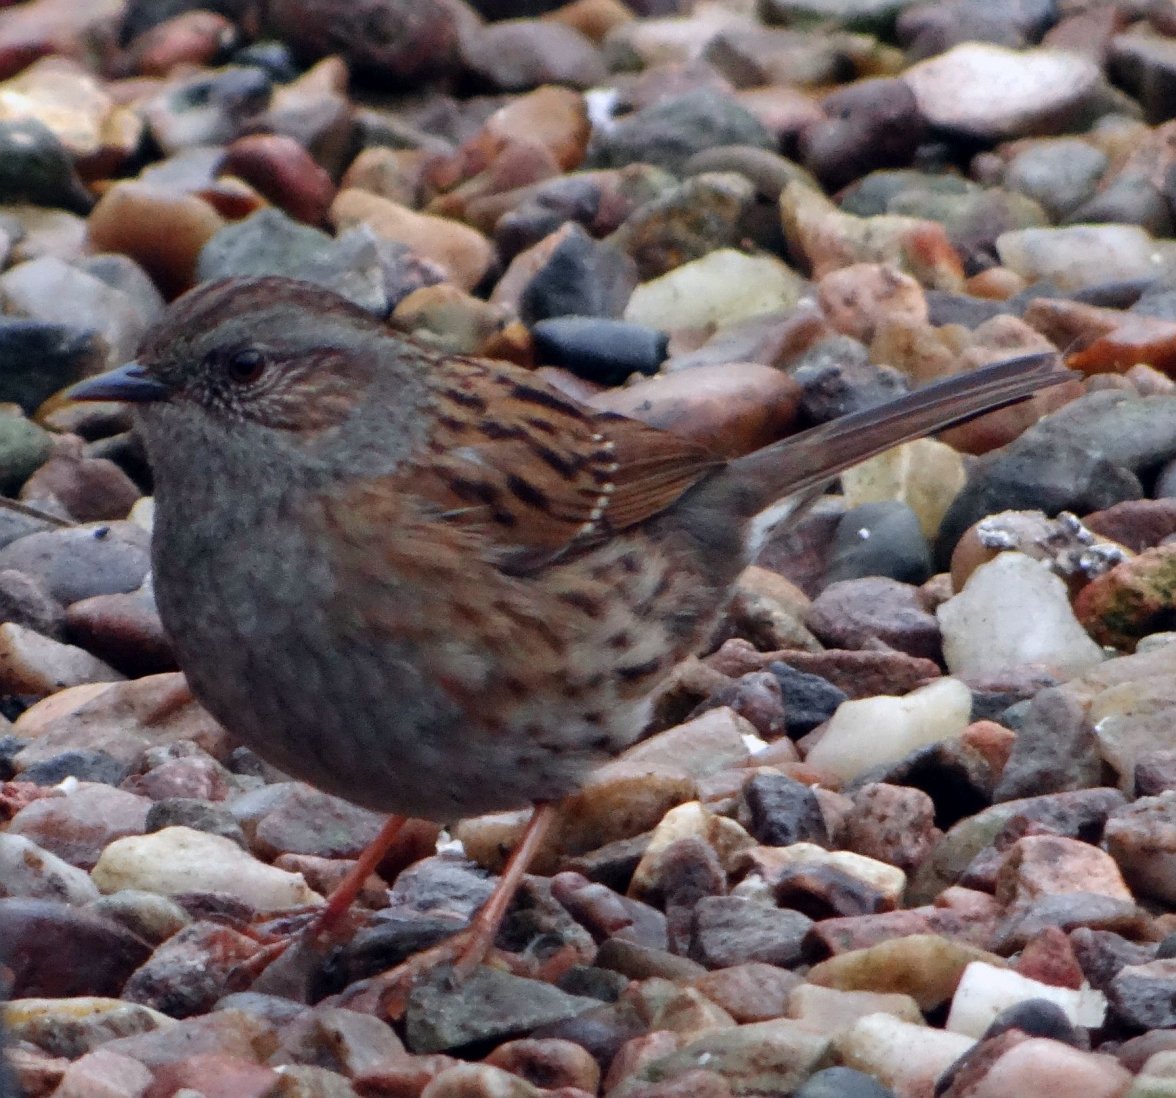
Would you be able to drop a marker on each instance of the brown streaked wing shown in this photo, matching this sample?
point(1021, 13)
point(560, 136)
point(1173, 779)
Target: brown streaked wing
point(537, 473)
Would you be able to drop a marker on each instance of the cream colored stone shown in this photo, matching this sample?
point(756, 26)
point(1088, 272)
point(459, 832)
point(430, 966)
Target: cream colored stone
point(714, 291)
point(984, 991)
point(869, 732)
point(722, 834)
point(907, 1058)
point(180, 859)
point(31, 663)
point(831, 1011)
point(926, 475)
point(464, 253)
point(1014, 611)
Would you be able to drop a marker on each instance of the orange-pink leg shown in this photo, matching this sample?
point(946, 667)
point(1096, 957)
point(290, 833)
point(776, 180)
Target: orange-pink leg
point(480, 935)
point(343, 896)
point(388, 992)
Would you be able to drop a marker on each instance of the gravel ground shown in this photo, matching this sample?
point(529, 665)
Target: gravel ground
point(908, 827)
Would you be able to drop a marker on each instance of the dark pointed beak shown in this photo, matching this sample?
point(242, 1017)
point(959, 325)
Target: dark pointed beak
point(130, 382)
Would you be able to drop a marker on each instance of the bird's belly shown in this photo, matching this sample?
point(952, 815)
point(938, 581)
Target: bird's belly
point(443, 723)
point(364, 719)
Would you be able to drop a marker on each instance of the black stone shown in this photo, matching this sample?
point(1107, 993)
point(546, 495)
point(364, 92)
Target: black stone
point(38, 358)
point(35, 167)
point(809, 700)
point(880, 539)
point(598, 349)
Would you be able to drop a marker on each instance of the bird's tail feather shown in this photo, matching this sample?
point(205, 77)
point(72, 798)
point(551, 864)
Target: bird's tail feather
point(814, 457)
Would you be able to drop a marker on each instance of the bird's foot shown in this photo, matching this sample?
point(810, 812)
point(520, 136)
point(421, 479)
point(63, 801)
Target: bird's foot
point(450, 962)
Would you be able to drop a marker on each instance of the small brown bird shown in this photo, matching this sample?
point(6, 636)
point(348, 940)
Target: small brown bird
point(435, 585)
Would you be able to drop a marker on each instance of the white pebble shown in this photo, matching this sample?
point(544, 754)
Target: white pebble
point(1012, 611)
point(985, 990)
point(872, 731)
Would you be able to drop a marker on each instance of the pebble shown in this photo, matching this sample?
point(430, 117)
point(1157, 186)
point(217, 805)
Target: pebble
point(720, 289)
point(730, 930)
point(979, 636)
point(518, 55)
point(1032, 91)
point(873, 731)
point(764, 1056)
point(78, 562)
point(893, 824)
point(706, 211)
point(750, 992)
point(29, 871)
point(598, 349)
point(567, 274)
point(79, 825)
point(162, 231)
point(36, 665)
point(855, 613)
point(1076, 256)
point(906, 1057)
point(985, 991)
point(489, 1004)
point(60, 951)
point(179, 859)
point(188, 973)
point(73, 1027)
point(783, 811)
point(667, 133)
point(1055, 749)
point(1141, 837)
point(463, 253)
point(829, 239)
point(269, 242)
point(1035, 1062)
point(291, 817)
point(38, 167)
point(120, 719)
point(37, 358)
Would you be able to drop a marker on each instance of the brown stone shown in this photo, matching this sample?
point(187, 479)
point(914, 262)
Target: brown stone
point(282, 170)
point(162, 231)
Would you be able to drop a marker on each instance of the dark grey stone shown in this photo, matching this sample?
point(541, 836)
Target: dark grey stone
point(881, 539)
point(85, 764)
point(731, 930)
point(580, 277)
point(1055, 749)
point(270, 243)
point(671, 131)
point(599, 349)
point(809, 700)
point(36, 168)
point(783, 811)
point(197, 814)
point(489, 1005)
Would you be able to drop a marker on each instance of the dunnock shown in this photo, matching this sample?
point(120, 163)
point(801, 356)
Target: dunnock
point(435, 585)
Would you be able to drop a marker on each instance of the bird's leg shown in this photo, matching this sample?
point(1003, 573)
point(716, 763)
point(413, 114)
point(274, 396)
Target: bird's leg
point(287, 966)
point(480, 934)
point(388, 993)
point(343, 896)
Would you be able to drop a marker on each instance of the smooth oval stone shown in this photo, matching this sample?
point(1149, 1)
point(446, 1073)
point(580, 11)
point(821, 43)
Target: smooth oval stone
point(601, 350)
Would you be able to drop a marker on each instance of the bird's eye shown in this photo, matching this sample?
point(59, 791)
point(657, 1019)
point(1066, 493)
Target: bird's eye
point(246, 365)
